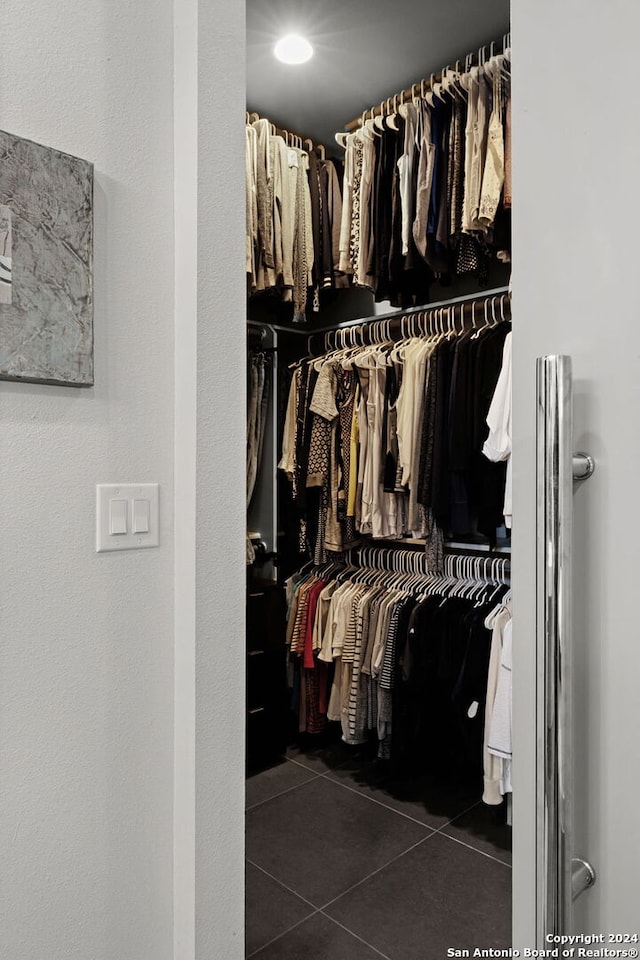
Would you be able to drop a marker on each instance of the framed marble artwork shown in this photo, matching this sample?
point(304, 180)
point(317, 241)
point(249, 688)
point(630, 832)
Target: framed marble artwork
point(46, 264)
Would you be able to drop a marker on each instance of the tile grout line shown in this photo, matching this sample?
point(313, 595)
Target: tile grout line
point(289, 889)
point(326, 772)
point(374, 872)
point(366, 942)
point(475, 849)
point(327, 776)
point(440, 830)
point(339, 783)
point(458, 815)
point(313, 776)
point(280, 935)
point(298, 764)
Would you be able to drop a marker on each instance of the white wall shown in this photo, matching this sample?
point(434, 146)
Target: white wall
point(210, 476)
point(221, 482)
point(86, 648)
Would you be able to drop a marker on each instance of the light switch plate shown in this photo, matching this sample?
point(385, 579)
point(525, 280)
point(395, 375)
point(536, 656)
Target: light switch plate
point(105, 493)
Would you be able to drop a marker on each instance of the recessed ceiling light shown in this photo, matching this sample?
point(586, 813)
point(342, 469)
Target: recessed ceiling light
point(293, 49)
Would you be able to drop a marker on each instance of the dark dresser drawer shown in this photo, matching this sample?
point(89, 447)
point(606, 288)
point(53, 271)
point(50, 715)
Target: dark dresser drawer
point(267, 707)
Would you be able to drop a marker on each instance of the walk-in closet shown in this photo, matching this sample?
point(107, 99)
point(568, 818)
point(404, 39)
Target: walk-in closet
point(320, 381)
point(379, 508)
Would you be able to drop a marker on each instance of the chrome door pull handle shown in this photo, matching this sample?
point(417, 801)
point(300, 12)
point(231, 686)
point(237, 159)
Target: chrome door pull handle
point(583, 466)
point(582, 876)
point(560, 879)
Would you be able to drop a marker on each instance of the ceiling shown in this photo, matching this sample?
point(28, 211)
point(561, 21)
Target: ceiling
point(365, 51)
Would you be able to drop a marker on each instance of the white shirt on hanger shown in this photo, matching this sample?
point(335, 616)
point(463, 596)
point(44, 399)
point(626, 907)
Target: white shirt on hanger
point(497, 446)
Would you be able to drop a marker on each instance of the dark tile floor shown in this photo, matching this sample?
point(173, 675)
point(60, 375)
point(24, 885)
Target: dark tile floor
point(344, 865)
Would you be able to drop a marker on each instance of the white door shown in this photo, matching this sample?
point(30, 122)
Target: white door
point(576, 292)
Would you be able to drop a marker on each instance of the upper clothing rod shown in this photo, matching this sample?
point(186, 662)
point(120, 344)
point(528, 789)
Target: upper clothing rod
point(407, 94)
point(288, 135)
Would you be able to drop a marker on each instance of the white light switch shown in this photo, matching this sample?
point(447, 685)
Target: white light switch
point(127, 516)
point(141, 516)
point(118, 510)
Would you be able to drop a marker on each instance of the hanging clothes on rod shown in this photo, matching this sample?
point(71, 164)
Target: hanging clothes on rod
point(383, 645)
point(258, 389)
point(384, 432)
point(424, 178)
point(294, 209)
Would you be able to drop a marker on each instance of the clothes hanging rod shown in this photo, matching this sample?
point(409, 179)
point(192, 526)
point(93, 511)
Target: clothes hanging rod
point(472, 549)
point(398, 314)
point(275, 326)
point(395, 314)
point(288, 135)
point(478, 56)
point(408, 561)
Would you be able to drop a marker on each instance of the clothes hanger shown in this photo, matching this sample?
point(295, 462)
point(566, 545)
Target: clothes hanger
point(489, 588)
point(488, 64)
point(456, 332)
point(363, 132)
point(470, 75)
point(429, 329)
point(476, 584)
point(436, 88)
point(455, 88)
point(472, 580)
point(392, 119)
point(445, 82)
point(496, 319)
point(462, 326)
point(378, 120)
point(500, 584)
point(428, 95)
point(454, 584)
point(438, 321)
point(305, 568)
point(404, 108)
point(486, 323)
point(463, 578)
point(370, 129)
point(407, 333)
point(473, 314)
point(457, 83)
